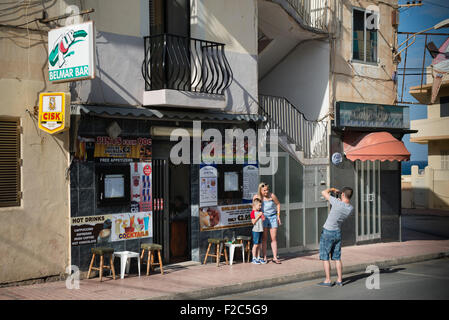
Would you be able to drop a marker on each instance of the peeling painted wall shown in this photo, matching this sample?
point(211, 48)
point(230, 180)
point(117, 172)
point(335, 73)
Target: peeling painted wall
point(34, 238)
point(362, 82)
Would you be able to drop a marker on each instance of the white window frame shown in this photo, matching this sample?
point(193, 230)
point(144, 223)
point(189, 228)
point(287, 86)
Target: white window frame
point(445, 159)
point(364, 37)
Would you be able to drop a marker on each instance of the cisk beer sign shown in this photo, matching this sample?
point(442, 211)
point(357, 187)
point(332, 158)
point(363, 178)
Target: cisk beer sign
point(54, 112)
point(71, 53)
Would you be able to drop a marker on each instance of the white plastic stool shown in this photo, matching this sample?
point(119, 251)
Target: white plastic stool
point(125, 257)
point(232, 247)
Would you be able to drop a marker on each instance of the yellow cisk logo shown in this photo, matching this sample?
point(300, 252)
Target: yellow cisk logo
point(54, 112)
point(52, 103)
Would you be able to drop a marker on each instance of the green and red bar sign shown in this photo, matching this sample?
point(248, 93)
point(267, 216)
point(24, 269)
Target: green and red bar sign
point(71, 55)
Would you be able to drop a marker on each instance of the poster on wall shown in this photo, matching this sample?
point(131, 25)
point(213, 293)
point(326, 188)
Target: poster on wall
point(102, 229)
point(242, 152)
point(91, 229)
point(250, 182)
point(224, 217)
point(231, 181)
point(141, 187)
point(208, 185)
point(122, 150)
point(126, 226)
point(109, 150)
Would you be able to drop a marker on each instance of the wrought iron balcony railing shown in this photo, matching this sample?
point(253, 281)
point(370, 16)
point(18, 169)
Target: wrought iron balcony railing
point(185, 64)
point(313, 12)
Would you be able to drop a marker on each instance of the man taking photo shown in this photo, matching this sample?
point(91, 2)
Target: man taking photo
point(330, 240)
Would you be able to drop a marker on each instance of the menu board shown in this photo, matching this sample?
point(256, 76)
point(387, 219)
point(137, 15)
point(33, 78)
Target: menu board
point(231, 181)
point(250, 181)
point(114, 186)
point(208, 185)
point(223, 217)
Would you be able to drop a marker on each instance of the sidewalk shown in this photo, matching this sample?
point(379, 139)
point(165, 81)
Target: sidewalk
point(425, 212)
point(196, 281)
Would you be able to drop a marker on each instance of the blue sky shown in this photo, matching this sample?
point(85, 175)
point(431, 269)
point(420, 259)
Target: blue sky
point(416, 19)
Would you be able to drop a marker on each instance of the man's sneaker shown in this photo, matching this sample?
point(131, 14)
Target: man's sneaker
point(262, 261)
point(255, 261)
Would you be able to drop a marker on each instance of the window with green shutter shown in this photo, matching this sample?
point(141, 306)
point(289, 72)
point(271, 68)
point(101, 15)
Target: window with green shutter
point(10, 162)
point(364, 35)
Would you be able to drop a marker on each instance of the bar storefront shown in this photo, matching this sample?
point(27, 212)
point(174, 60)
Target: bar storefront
point(125, 190)
point(366, 153)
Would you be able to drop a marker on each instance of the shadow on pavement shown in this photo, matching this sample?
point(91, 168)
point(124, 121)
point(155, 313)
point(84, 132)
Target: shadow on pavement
point(357, 277)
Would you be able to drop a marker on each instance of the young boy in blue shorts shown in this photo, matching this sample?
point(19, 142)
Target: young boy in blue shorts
point(256, 218)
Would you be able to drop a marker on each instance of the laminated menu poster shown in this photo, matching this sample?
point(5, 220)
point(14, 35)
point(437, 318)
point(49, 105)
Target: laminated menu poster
point(208, 185)
point(141, 192)
point(103, 229)
point(223, 217)
point(250, 181)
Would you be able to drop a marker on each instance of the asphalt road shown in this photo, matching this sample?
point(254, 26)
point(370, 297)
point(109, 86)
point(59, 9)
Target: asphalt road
point(428, 280)
point(425, 227)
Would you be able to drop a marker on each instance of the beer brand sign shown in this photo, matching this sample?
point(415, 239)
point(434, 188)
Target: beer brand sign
point(54, 112)
point(71, 53)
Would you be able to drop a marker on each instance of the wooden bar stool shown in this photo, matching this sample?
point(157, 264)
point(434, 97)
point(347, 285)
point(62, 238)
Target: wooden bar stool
point(247, 246)
point(101, 252)
point(151, 247)
point(218, 244)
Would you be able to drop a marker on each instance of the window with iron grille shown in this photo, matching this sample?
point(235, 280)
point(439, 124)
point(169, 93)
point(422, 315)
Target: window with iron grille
point(10, 194)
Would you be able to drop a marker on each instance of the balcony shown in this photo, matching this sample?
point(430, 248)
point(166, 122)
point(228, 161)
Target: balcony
point(313, 13)
point(185, 72)
point(430, 129)
point(283, 24)
point(423, 93)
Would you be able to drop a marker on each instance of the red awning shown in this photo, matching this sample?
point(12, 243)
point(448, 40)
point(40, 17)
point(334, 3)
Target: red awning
point(374, 146)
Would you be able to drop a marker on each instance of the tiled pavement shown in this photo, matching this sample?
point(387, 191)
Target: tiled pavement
point(196, 281)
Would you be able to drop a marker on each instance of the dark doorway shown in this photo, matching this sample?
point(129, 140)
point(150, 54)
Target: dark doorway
point(160, 207)
point(179, 197)
point(171, 204)
point(171, 17)
point(170, 44)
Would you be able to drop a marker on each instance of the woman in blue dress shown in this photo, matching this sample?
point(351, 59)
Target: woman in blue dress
point(271, 208)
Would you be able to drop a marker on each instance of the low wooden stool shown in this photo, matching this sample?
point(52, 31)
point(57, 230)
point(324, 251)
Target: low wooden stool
point(218, 244)
point(246, 247)
point(151, 247)
point(101, 252)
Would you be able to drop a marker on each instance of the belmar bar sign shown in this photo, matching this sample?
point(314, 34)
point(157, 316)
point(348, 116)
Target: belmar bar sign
point(71, 53)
